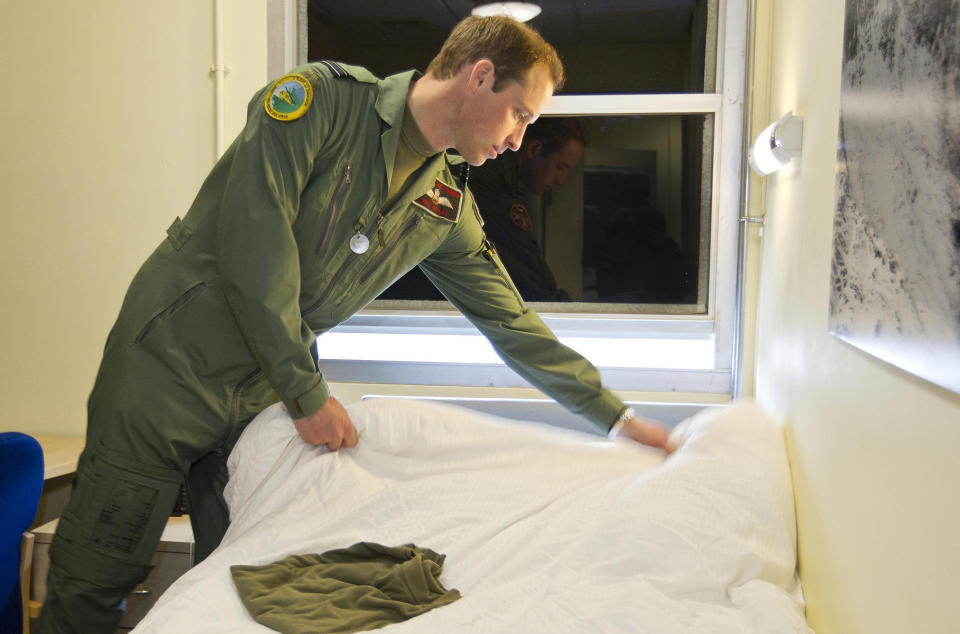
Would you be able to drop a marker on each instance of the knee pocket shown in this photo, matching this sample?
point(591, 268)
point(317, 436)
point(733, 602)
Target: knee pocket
point(118, 507)
point(78, 570)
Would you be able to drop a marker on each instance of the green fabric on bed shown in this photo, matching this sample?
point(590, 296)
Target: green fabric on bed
point(363, 587)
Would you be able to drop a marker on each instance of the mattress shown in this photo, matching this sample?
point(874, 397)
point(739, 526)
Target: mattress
point(544, 529)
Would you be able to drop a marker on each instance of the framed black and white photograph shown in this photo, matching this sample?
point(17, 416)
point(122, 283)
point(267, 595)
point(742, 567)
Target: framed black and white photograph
point(896, 262)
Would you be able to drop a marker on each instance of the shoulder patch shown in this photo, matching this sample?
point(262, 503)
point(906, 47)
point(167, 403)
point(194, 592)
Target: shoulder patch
point(289, 98)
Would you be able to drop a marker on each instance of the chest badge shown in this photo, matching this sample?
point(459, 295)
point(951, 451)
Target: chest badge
point(521, 218)
point(441, 200)
point(289, 98)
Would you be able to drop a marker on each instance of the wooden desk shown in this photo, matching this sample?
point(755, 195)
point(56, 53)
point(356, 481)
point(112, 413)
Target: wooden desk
point(174, 557)
point(60, 454)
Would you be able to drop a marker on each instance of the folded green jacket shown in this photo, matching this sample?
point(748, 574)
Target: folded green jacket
point(363, 587)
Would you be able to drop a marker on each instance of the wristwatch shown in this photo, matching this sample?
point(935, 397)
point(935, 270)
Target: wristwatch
point(618, 424)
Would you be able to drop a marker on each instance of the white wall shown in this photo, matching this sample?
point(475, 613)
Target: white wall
point(107, 128)
point(873, 448)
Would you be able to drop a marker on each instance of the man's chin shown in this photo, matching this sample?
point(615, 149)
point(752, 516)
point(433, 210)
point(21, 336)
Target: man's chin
point(476, 161)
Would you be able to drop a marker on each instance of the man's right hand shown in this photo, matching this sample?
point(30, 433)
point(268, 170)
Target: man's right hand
point(330, 425)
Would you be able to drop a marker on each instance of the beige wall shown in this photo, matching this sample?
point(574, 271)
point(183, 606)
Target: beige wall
point(108, 129)
point(873, 448)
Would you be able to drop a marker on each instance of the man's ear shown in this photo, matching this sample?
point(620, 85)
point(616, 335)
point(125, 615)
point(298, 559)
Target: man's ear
point(482, 74)
point(532, 148)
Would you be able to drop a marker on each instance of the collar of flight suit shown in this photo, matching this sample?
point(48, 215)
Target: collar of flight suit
point(390, 106)
point(391, 102)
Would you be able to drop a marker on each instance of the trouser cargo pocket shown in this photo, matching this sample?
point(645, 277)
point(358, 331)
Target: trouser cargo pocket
point(119, 507)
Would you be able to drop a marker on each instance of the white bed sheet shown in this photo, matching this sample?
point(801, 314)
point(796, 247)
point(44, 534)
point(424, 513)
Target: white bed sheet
point(545, 530)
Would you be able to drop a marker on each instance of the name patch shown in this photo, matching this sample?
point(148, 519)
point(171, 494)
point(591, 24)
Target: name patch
point(441, 200)
point(521, 218)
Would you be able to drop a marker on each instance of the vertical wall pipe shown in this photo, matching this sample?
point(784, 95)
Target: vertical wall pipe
point(744, 221)
point(219, 71)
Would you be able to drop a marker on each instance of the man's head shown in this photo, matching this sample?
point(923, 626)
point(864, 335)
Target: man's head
point(552, 146)
point(506, 73)
point(513, 47)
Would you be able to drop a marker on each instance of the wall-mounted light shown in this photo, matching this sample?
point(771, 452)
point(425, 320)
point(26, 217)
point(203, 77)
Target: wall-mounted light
point(779, 142)
point(519, 11)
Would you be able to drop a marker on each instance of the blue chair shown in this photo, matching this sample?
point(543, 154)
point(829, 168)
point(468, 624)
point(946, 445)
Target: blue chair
point(21, 481)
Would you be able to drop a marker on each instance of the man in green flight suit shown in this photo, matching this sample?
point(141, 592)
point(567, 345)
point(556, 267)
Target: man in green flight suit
point(338, 184)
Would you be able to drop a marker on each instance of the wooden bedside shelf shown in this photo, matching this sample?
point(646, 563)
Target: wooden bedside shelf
point(174, 557)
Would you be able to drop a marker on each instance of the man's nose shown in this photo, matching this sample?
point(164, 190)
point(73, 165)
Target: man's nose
point(516, 138)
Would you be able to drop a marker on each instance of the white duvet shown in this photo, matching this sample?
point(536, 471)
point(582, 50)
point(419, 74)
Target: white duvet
point(545, 530)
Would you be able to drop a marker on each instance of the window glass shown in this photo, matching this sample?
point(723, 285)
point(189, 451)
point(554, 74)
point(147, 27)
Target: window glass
point(628, 229)
point(633, 47)
point(626, 224)
point(613, 46)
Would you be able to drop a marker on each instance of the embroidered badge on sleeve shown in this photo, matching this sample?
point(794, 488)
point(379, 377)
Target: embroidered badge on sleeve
point(289, 98)
point(520, 217)
point(441, 200)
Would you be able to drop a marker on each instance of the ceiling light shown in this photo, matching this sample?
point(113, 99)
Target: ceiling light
point(519, 11)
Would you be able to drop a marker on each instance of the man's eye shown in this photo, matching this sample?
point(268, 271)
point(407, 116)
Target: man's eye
point(521, 116)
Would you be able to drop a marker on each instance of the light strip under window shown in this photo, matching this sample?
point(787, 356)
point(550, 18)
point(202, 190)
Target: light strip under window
point(695, 353)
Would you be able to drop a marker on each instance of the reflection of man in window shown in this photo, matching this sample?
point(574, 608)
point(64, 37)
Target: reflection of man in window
point(510, 190)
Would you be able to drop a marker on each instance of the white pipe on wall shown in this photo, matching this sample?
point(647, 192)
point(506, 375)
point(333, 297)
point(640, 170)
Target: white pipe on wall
point(744, 219)
point(219, 71)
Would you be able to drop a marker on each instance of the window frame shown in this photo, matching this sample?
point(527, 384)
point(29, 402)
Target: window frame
point(719, 319)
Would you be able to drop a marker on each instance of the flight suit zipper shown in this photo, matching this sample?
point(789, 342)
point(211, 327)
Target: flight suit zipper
point(232, 412)
point(336, 201)
point(322, 297)
point(168, 311)
point(367, 270)
point(489, 252)
point(388, 249)
point(235, 397)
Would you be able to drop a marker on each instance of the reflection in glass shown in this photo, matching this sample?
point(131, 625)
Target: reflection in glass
point(645, 210)
point(627, 254)
point(625, 224)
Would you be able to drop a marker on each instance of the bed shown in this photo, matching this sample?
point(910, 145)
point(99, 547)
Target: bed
point(544, 529)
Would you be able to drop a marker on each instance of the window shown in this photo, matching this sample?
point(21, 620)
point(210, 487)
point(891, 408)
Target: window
point(641, 237)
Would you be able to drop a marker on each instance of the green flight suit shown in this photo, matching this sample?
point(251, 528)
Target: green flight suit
point(222, 319)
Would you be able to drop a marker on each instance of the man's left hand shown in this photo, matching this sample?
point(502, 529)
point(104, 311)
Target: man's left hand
point(647, 432)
